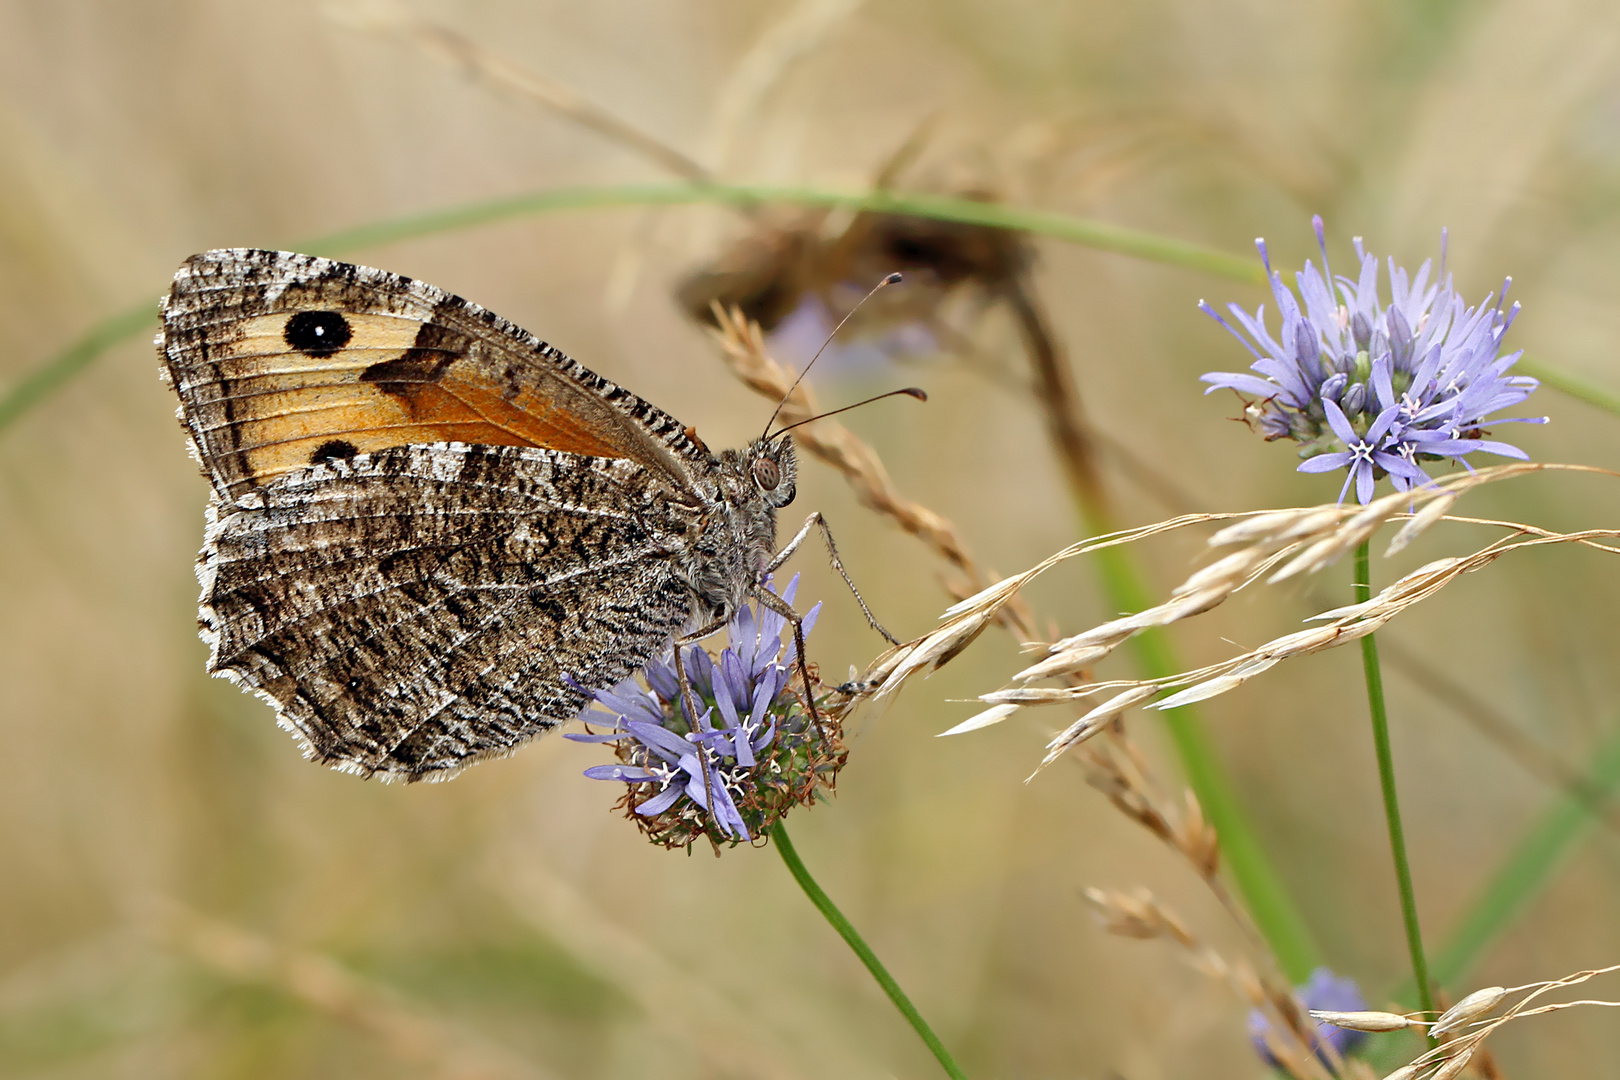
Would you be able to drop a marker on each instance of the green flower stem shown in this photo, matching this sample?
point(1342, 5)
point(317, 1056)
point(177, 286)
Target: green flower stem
point(1268, 902)
point(1386, 780)
point(853, 939)
point(1057, 397)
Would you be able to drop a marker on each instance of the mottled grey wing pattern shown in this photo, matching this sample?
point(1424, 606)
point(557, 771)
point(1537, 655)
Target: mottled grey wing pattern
point(284, 360)
point(408, 611)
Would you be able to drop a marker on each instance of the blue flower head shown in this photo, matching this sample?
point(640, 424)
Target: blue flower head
point(1324, 991)
point(867, 347)
point(1373, 389)
point(751, 754)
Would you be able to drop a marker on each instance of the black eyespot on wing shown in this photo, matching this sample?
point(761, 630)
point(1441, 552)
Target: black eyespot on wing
point(333, 450)
point(317, 333)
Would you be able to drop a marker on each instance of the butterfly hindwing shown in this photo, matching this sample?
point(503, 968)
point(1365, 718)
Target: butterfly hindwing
point(405, 610)
point(282, 361)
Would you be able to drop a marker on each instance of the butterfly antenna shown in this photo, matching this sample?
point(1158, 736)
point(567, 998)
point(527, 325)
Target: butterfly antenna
point(909, 391)
point(892, 279)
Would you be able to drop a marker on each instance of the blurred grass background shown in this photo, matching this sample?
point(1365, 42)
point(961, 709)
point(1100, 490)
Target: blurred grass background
point(182, 896)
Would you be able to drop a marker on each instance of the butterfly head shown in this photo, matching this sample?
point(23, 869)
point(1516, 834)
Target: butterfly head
point(773, 469)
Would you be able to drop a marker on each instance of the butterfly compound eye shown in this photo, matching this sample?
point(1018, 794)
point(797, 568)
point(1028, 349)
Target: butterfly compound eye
point(766, 473)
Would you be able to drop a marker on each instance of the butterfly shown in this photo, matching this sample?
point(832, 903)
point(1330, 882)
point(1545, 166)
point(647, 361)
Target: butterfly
point(431, 535)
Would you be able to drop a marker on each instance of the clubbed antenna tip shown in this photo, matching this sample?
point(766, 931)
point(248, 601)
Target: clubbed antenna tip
point(891, 279)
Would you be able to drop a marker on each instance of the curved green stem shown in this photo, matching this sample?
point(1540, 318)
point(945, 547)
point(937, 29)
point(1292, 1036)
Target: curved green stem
point(1386, 780)
point(44, 380)
point(853, 939)
point(1570, 384)
point(1076, 230)
point(56, 370)
point(39, 383)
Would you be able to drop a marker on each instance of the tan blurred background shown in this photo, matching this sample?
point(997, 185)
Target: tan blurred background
point(182, 896)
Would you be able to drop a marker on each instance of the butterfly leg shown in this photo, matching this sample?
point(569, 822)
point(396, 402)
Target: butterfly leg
point(689, 699)
point(769, 599)
point(700, 633)
point(815, 520)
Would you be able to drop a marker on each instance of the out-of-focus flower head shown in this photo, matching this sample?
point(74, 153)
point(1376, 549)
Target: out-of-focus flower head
point(749, 756)
point(808, 329)
point(1324, 991)
point(1375, 389)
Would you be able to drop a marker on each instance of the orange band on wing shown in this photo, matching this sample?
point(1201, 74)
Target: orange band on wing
point(386, 386)
point(525, 421)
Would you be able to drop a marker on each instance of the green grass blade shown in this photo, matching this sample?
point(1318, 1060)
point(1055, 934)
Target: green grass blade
point(1075, 230)
point(1085, 232)
point(38, 384)
point(1572, 385)
point(1526, 870)
point(56, 371)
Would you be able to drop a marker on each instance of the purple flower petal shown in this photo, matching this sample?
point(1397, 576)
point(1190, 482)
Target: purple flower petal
point(669, 745)
point(806, 624)
point(1340, 424)
point(660, 676)
point(1326, 462)
point(1212, 313)
point(630, 774)
point(1243, 384)
point(660, 802)
point(694, 782)
point(1362, 472)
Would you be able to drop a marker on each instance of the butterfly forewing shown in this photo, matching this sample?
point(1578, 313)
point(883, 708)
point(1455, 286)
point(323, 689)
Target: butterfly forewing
point(283, 360)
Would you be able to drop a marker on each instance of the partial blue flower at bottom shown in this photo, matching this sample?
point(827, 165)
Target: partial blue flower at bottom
point(1324, 991)
point(750, 753)
point(1377, 389)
